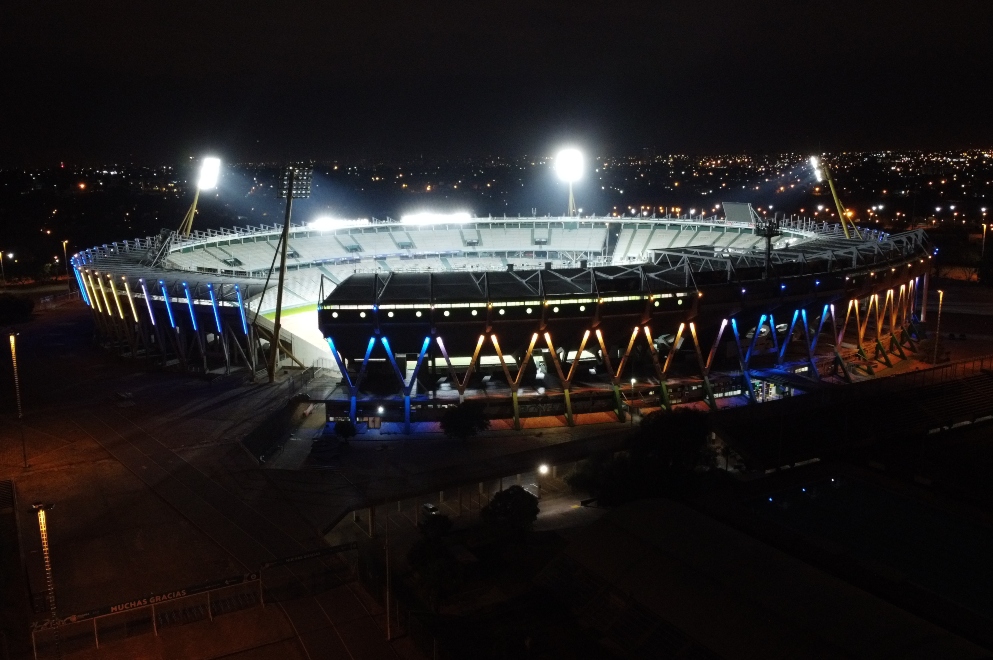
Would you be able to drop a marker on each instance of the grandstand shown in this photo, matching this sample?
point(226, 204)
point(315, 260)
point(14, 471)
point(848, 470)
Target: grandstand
point(201, 302)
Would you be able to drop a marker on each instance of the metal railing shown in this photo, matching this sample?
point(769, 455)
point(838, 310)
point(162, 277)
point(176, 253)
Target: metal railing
point(140, 616)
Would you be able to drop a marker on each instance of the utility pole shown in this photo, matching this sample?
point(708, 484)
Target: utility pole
point(295, 184)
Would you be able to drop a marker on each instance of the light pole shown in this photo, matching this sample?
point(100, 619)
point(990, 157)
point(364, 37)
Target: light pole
point(542, 471)
point(17, 394)
point(210, 170)
point(569, 167)
point(982, 250)
point(42, 508)
point(3, 275)
point(631, 405)
point(65, 256)
point(937, 327)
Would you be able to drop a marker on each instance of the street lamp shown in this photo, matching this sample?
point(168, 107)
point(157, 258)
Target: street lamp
point(631, 405)
point(65, 257)
point(937, 327)
point(542, 471)
point(569, 167)
point(210, 170)
point(982, 251)
point(42, 508)
point(17, 394)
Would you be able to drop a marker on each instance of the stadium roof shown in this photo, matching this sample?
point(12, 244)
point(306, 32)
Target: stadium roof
point(500, 285)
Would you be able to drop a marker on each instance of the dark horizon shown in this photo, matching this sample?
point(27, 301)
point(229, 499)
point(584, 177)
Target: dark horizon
point(143, 84)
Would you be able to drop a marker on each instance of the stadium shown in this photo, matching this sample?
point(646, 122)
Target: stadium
point(539, 316)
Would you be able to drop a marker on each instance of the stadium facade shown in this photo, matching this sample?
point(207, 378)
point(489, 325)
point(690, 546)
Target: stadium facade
point(534, 316)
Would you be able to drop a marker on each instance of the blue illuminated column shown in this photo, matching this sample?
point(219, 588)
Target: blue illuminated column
point(79, 280)
point(408, 386)
point(168, 305)
point(746, 377)
point(148, 301)
point(241, 309)
point(213, 304)
point(189, 303)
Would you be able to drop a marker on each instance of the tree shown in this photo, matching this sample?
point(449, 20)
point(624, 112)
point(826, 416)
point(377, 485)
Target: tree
point(513, 507)
point(464, 420)
point(660, 460)
point(435, 526)
point(345, 430)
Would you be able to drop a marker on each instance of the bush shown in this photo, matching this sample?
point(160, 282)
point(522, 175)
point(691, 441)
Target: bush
point(464, 420)
point(435, 526)
point(345, 429)
point(513, 508)
point(660, 461)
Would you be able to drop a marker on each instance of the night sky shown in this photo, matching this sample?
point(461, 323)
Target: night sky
point(98, 81)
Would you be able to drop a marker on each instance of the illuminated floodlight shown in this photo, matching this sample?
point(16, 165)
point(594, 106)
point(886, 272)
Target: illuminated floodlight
point(569, 165)
point(543, 469)
point(816, 164)
point(428, 218)
point(210, 170)
point(326, 223)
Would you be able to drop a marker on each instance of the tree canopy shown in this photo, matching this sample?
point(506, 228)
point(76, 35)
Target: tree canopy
point(464, 420)
point(659, 461)
point(513, 507)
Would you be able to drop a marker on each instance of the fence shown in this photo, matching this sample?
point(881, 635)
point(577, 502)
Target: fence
point(140, 616)
point(57, 300)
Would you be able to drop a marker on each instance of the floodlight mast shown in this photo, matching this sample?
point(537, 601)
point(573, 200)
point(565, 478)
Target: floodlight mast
point(842, 213)
point(210, 169)
point(569, 167)
point(296, 183)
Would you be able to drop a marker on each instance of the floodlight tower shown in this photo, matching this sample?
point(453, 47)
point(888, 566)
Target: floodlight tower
point(843, 218)
point(210, 169)
point(569, 167)
point(295, 184)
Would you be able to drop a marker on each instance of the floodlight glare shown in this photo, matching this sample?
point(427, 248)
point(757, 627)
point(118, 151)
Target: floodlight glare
point(815, 163)
point(210, 169)
point(569, 165)
point(434, 218)
point(325, 223)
